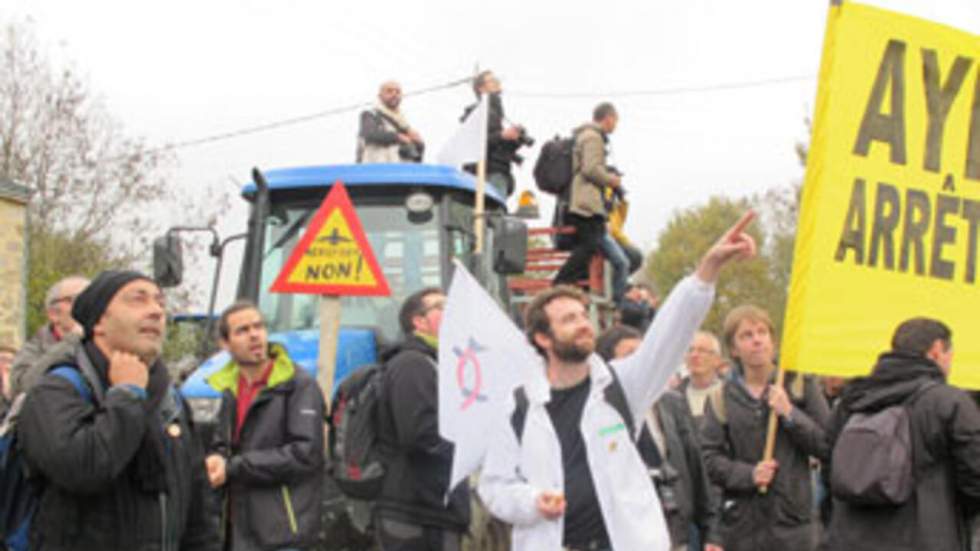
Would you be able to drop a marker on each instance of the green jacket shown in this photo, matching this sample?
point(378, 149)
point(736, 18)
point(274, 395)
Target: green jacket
point(283, 369)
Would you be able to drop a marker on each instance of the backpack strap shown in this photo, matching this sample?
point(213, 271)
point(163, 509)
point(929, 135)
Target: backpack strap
point(919, 391)
point(398, 127)
point(613, 394)
point(85, 366)
point(617, 399)
point(74, 377)
point(519, 417)
point(716, 397)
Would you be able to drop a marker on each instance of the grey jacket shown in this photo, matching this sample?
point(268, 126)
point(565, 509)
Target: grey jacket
point(591, 174)
point(693, 498)
point(27, 369)
point(779, 519)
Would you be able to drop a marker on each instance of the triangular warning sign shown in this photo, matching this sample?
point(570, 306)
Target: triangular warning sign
point(334, 256)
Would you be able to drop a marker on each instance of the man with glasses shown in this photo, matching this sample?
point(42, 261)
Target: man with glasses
point(412, 513)
point(702, 360)
point(61, 325)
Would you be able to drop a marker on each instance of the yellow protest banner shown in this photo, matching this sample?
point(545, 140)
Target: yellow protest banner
point(890, 212)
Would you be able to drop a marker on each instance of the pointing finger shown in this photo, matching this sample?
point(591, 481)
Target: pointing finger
point(740, 226)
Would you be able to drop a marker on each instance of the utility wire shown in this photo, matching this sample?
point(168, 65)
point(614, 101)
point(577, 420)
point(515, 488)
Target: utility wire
point(663, 91)
point(299, 120)
point(467, 80)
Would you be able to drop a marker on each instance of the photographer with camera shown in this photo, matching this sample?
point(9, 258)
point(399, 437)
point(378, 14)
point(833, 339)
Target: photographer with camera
point(385, 135)
point(502, 143)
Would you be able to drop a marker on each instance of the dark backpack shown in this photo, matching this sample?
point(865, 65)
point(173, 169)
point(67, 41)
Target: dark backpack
point(357, 464)
point(872, 461)
point(613, 393)
point(19, 492)
point(553, 171)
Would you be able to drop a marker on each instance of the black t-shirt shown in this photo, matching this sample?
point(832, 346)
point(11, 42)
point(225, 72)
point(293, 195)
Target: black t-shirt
point(583, 517)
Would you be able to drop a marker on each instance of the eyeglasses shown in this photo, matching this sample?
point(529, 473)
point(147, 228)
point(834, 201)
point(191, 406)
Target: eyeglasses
point(67, 299)
point(440, 305)
point(702, 350)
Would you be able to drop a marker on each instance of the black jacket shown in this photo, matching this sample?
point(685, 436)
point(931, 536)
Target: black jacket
point(89, 457)
point(945, 427)
point(693, 499)
point(421, 460)
point(500, 152)
point(780, 518)
point(275, 467)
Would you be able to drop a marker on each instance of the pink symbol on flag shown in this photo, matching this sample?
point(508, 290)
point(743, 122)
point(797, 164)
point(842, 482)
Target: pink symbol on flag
point(468, 356)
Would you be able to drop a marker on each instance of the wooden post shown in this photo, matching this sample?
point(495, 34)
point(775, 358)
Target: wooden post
point(329, 331)
point(771, 430)
point(478, 209)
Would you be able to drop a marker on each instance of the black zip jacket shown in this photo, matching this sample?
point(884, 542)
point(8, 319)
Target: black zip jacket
point(945, 427)
point(693, 498)
point(86, 454)
point(779, 519)
point(421, 460)
point(275, 468)
point(500, 152)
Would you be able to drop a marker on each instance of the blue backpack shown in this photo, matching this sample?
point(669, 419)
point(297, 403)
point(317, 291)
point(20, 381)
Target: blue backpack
point(19, 492)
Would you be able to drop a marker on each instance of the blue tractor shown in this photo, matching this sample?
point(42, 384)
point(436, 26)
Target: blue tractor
point(417, 218)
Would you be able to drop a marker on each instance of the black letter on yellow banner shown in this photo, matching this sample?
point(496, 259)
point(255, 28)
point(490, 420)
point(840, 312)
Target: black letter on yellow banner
point(938, 101)
point(876, 126)
point(917, 214)
point(852, 236)
point(887, 211)
point(973, 151)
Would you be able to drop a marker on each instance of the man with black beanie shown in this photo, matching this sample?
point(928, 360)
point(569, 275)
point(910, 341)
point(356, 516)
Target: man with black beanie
point(108, 436)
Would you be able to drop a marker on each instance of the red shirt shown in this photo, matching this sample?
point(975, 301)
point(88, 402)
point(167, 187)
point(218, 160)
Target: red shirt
point(247, 391)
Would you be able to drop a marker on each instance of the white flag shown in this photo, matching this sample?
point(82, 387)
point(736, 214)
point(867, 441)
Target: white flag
point(469, 142)
point(482, 357)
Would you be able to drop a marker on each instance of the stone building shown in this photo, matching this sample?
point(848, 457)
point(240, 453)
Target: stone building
point(13, 261)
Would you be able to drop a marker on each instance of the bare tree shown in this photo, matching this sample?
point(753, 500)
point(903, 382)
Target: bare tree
point(97, 193)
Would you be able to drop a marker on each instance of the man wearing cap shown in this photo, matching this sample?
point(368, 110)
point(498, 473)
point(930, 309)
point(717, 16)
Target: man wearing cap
point(57, 306)
point(113, 443)
point(268, 445)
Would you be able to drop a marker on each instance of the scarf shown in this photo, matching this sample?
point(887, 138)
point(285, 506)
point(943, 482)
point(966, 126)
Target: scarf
point(395, 116)
point(147, 468)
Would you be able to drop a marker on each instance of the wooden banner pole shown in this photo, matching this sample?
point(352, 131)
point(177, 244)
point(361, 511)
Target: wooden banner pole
point(771, 430)
point(330, 310)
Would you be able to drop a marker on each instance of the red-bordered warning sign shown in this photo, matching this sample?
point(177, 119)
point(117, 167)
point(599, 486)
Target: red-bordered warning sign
point(334, 256)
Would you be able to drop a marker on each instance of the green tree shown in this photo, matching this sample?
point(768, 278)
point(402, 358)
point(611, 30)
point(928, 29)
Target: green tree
point(693, 231)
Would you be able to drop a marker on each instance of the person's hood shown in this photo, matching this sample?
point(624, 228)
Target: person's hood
point(283, 370)
point(896, 376)
point(412, 342)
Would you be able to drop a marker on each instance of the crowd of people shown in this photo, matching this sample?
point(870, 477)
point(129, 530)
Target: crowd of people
point(610, 450)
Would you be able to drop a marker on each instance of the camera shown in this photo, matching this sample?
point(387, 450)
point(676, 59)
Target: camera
point(663, 480)
point(523, 139)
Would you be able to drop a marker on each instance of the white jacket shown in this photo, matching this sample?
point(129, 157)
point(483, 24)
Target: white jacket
point(515, 473)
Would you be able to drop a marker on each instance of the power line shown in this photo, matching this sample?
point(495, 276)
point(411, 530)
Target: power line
point(467, 80)
point(298, 120)
point(663, 91)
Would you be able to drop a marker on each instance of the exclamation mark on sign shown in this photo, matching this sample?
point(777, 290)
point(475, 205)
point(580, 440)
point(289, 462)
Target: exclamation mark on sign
point(360, 265)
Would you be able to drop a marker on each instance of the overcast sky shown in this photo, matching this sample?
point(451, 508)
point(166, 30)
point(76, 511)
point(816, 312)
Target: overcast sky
point(181, 70)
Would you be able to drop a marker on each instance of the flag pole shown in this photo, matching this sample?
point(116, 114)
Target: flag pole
point(771, 429)
point(478, 210)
